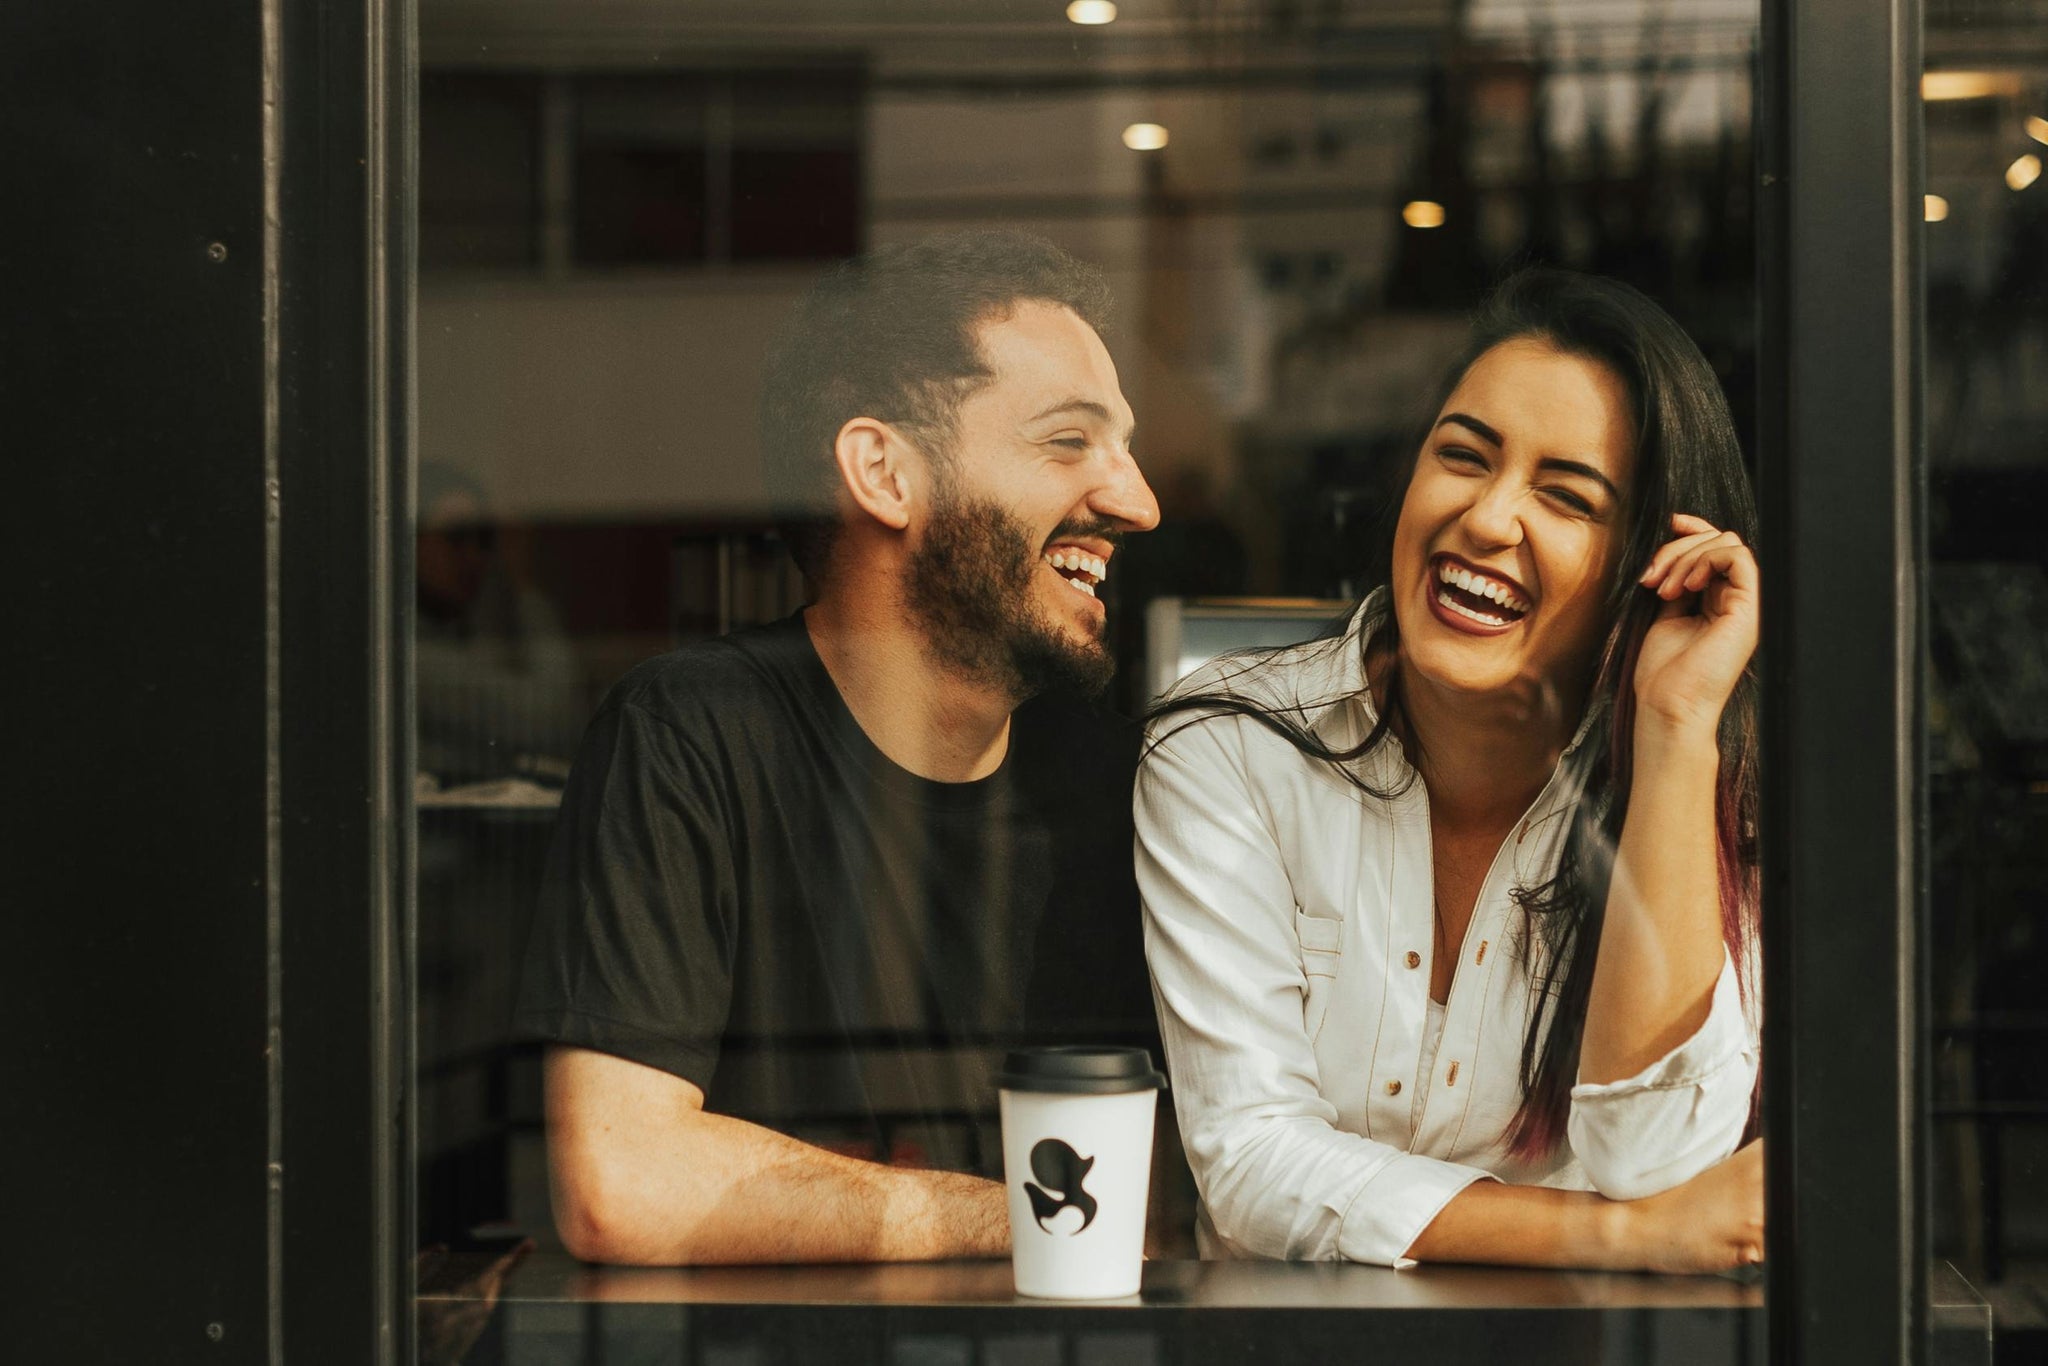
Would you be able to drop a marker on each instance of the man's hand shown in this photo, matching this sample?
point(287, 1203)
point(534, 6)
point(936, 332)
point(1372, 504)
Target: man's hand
point(643, 1175)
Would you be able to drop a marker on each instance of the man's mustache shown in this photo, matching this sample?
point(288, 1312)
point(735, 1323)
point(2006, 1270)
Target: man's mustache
point(1093, 528)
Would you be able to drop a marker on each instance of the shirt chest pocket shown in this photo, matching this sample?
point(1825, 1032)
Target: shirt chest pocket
point(1322, 952)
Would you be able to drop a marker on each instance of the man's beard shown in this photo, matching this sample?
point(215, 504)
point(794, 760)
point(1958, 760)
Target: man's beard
point(971, 589)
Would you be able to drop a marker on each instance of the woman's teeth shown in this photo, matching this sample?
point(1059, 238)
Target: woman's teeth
point(1452, 576)
point(1078, 568)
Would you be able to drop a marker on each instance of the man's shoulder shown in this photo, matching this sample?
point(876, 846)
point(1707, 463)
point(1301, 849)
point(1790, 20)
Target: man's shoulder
point(727, 679)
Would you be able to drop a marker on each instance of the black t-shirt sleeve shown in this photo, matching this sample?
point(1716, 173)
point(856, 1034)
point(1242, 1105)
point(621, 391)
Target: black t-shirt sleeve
point(633, 937)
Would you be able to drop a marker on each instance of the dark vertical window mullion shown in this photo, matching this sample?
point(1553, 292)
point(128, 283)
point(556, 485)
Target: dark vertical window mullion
point(343, 165)
point(1840, 481)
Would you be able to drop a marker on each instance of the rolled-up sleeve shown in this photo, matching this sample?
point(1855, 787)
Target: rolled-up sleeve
point(1277, 1177)
point(1678, 1116)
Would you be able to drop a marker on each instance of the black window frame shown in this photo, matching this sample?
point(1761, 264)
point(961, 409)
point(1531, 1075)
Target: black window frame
point(1841, 480)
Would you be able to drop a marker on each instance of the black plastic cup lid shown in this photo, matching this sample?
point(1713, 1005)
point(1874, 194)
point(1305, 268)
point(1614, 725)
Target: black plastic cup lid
point(1079, 1070)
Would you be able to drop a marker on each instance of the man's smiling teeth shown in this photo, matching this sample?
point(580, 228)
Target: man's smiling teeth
point(1479, 586)
point(1078, 568)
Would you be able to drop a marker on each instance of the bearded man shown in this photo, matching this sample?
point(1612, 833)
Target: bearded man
point(810, 878)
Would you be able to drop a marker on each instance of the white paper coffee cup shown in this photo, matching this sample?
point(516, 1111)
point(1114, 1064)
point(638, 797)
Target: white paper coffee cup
point(1077, 1158)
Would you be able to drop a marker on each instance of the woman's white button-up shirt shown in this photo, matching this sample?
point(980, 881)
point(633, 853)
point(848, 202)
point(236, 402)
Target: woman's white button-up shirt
point(1289, 929)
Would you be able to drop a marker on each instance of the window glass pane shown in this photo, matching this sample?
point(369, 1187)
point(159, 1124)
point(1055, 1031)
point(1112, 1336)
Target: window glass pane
point(1987, 675)
point(1294, 210)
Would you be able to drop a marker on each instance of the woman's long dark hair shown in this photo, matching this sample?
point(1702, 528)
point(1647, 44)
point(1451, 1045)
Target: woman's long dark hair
point(1687, 460)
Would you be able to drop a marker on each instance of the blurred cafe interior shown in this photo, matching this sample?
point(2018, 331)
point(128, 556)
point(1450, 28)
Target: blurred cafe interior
point(1296, 204)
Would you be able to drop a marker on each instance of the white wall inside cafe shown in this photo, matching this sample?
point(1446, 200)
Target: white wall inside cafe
point(587, 395)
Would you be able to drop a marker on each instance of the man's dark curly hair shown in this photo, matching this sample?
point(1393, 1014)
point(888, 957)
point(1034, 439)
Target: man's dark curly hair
point(892, 336)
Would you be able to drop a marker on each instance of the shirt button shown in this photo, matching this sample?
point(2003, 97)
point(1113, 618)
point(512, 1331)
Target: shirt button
point(1414, 959)
point(1393, 1088)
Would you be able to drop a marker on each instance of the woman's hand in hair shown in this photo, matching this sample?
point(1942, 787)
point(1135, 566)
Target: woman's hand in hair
point(1714, 1222)
point(1706, 631)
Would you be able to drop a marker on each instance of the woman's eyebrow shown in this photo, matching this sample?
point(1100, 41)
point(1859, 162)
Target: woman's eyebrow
point(1492, 437)
point(1473, 424)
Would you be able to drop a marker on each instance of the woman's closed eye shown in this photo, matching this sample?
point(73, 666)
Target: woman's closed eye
point(1461, 456)
point(1572, 502)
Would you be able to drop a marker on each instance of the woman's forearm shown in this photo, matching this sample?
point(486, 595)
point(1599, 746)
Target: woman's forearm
point(1711, 1223)
point(1660, 949)
point(1527, 1226)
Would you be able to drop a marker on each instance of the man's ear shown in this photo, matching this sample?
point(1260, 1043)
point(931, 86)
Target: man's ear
point(877, 468)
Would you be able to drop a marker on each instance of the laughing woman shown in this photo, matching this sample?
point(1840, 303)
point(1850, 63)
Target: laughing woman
point(1452, 918)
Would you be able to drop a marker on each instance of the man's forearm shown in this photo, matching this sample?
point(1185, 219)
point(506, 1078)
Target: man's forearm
point(713, 1189)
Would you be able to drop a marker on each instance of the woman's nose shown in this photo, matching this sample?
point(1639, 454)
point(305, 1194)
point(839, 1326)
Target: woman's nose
point(1495, 517)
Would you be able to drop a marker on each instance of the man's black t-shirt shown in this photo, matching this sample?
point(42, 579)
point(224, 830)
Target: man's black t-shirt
point(745, 892)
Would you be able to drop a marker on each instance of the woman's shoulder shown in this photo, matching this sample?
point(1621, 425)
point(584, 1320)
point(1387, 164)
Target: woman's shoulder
point(1297, 682)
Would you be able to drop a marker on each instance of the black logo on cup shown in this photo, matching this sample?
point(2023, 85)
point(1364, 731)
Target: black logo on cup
point(1059, 1170)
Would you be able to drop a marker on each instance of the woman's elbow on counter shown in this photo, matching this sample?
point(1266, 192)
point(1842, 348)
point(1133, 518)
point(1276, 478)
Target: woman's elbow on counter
point(1633, 1166)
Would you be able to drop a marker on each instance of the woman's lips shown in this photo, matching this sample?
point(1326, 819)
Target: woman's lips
point(1445, 605)
point(1458, 621)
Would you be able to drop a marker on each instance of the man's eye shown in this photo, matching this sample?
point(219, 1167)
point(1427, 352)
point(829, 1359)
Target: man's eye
point(1072, 443)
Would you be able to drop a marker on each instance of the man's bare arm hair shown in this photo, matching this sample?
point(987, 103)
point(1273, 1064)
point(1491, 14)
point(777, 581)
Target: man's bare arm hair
point(642, 1175)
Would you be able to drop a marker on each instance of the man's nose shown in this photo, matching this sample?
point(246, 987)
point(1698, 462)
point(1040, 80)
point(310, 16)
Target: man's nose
point(1125, 497)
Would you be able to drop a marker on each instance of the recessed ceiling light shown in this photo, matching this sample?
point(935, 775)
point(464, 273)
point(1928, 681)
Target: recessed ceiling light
point(1937, 208)
point(2037, 128)
point(1145, 137)
point(2024, 171)
point(1092, 12)
point(1423, 213)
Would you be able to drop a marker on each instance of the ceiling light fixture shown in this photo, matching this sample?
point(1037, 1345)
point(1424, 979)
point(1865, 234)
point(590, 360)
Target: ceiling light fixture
point(1423, 213)
point(2024, 171)
point(2037, 128)
point(1092, 12)
point(1145, 137)
point(1937, 208)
